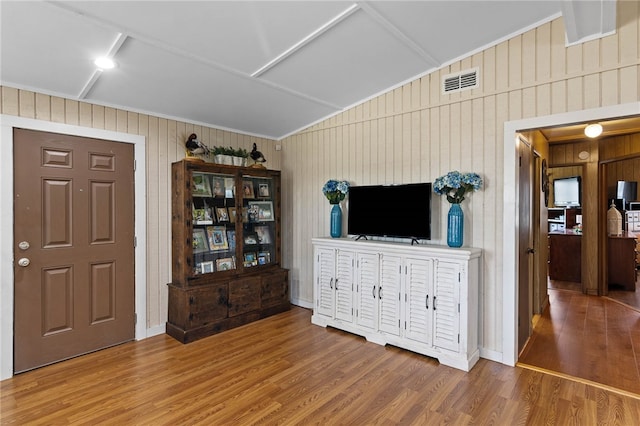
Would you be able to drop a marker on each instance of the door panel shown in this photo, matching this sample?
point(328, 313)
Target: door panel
point(525, 258)
point(74, 207)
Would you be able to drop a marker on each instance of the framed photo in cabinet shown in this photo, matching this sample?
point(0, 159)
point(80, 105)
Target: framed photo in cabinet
point(264, 257)
point(250, 239)
point(225, 264)
point(263, 211)
point(202, 216)
point(263, 234)
point(218, 187)
point(263, 190)
point(250, 259)
point(199, 241)
point(232, 214)
point(247, 189)
point(229, 188)
point(231, 238)
point(223, 214)
point(201, 185)
point(206, 267)
point(217, 237)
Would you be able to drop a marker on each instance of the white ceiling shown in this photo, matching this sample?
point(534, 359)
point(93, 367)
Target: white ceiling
point(264, 68)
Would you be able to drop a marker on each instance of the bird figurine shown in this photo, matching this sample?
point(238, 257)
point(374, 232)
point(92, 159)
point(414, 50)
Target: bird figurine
point(195, 147)
point(257, 157)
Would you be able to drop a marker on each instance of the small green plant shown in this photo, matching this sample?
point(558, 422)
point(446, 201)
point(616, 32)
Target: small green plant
point(229, 150)
point(241, 152)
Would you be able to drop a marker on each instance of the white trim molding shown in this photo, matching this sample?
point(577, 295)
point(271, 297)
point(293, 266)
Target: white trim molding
point(7, 124)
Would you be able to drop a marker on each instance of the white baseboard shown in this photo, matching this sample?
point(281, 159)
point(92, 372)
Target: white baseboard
point(156, 330)
point(491, 355)
point(302, 303)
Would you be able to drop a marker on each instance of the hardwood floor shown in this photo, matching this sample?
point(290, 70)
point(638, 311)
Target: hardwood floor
point(588, 337)
point(284, 370)
point(629, 298)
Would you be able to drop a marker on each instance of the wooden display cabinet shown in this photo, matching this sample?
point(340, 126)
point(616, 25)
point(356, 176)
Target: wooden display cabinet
point(226, 248)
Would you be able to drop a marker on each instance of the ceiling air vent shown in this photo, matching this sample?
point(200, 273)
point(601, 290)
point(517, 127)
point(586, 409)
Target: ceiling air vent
point(463, 80)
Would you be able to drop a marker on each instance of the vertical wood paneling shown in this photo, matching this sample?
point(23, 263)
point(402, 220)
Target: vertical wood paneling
point(379, 142)
point(164, 145)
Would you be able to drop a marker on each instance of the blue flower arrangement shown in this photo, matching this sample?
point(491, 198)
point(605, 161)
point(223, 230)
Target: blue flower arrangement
point(455, 185)
point(335, 191)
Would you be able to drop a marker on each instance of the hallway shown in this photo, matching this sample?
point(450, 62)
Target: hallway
point(591, 338)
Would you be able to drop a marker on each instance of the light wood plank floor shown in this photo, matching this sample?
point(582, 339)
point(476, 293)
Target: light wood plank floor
point(589, 337)
point(283, 371)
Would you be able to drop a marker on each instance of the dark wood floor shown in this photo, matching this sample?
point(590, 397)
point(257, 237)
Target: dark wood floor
point(587, 337)
point(285, 371)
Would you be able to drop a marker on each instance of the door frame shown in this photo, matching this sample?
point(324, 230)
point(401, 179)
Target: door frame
point(509, 336)
point(7, 124)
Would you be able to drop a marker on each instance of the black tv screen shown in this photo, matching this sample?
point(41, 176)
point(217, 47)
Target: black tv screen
point(402, 211)
point(567, 192)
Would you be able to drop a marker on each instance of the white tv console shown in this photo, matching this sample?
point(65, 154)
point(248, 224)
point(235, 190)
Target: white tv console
point(423, 298)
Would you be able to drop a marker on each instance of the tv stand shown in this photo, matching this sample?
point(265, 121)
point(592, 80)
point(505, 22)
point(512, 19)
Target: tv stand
point(361, 236)
point(415, 241)
point(421, 298)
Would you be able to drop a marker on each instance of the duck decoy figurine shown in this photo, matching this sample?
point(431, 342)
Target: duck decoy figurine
point(195, 147)
point(257, 157)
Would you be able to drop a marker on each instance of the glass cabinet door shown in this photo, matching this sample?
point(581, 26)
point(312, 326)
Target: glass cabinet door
point(258, 222)
point(213, 218)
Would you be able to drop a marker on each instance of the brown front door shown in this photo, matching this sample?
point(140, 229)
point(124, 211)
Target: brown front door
point(73, 246)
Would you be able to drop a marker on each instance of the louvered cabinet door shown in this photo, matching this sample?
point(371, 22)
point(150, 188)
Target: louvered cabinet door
point(367, 276)
point(419, 299)
point(446, 308)
point(345, 266)
point(325, 270)
point(389, 294)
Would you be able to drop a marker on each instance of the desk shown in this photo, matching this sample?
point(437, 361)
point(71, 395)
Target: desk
point(621, 267)
point(565, 256)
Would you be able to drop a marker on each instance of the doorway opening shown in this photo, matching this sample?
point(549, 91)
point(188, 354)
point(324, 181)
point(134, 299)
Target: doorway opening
point(510, 292)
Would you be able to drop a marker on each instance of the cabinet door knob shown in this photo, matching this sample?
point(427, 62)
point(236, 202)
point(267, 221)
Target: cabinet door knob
point(530, 250)
point(374, 291)
point(336, 284)
point(426, 302)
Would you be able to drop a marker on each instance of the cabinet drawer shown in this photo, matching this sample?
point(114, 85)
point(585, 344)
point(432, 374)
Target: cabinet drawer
point(275, 289)
point(195, 307)
point(244, 295)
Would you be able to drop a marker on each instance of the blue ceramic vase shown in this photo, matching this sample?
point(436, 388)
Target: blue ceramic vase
point(336, 221)
point(455, 226)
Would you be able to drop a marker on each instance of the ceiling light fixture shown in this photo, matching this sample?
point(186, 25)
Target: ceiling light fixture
point(105, 63)
point(593, 130)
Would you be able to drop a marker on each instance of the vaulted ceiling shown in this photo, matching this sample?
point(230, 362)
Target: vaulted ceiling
point(264, 68)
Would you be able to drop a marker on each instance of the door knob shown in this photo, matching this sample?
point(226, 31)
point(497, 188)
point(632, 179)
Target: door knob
point(24, 262)
point(530, 250)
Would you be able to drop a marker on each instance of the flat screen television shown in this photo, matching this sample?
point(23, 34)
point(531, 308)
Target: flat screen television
point(567, 192)
point(402, 211)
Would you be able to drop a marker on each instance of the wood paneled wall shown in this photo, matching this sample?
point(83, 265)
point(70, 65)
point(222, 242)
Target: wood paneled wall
point(415, 133)
point(164, 145)
point(412, 133)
